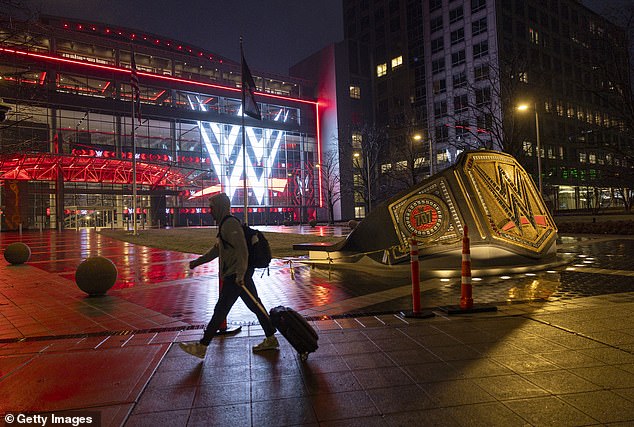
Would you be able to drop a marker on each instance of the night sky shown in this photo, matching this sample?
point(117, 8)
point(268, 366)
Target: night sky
point(277, 33)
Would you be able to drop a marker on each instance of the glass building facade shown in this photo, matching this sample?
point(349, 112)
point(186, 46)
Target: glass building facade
point(67, 143)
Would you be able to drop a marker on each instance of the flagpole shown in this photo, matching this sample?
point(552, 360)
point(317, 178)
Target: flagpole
point(244, 145)
point(134, 190)
point(134, 194)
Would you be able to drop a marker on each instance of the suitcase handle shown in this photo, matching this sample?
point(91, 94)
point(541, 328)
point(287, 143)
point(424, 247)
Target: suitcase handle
point(260, 307)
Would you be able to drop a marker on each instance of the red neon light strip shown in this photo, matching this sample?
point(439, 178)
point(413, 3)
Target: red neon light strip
point(158, 96)
point(145, 74)
point(321, 199)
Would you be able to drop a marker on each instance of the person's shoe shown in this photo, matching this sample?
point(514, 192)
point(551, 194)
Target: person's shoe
point(269, 343)
point(194, 348)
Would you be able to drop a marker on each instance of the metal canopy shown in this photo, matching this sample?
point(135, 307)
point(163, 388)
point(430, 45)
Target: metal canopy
point(45, 167)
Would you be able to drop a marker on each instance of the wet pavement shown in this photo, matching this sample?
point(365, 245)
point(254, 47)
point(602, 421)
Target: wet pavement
point(558, 351)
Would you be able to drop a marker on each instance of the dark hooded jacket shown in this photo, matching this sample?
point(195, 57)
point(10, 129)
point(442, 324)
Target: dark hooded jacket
point(231, 247)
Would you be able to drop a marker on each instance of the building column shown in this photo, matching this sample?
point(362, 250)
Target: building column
point(119, 208)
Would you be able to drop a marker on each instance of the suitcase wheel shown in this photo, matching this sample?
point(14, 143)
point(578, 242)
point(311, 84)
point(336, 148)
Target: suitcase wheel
point(303, 356)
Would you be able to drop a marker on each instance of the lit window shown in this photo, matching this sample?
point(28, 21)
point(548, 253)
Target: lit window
point(397, 61)
point(355, 92)
point(570, 111)
point(359, 211)
point(523, 75)
point(592, 158)
point(357, 139)
point(386, 167)
point(381, 70)
point(527, 147)
point(560, 108)
point(533, 35)
point(582, 157)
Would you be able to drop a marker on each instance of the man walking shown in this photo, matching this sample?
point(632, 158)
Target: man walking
point(232, 249)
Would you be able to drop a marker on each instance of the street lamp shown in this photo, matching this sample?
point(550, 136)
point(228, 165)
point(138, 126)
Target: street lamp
point(367, 165)
point(526, 107)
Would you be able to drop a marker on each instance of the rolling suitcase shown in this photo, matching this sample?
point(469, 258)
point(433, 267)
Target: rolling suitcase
point(292, 326)
point(295, 329)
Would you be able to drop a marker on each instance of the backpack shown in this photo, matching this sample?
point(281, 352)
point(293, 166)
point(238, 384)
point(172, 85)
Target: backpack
point(257, 245)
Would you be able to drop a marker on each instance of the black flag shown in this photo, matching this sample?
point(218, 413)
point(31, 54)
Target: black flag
point(249, 106)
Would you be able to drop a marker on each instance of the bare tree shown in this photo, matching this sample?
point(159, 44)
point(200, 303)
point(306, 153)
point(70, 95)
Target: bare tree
point(406, 158)
point(489, 100)
point(331, 181)
point(367, 143)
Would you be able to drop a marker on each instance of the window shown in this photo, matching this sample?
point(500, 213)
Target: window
point(397, 61)
point(479, 26)
point(359, 211)
point(462, 129)
point(477, 5)
point(435, 24)
point(438, 66)
point(437, 45)
point(483, 96)
point(440, 86)
point(434, 5)
point(523, 76)
point(484, 122)
point(533, 35)
point(582, 157)
point(592, 158)
point(456, 14)
point(481, 72)
point(442, 133)
point(457, 36)
point(480, 49)
point(460, 103)
point(381, 70)
point(440, 109)
point(458, 58)
point(442, 156)
point(357, 139)
point(570, 112)
point(527, 147)
point(459, 80)
point(355, 92)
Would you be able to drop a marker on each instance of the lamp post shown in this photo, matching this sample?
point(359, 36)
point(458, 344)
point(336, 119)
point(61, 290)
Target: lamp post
point(367, 165)
point(525, 107)
point(431, 158)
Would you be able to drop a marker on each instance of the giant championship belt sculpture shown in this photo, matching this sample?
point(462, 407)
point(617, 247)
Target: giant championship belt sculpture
point(488, 191)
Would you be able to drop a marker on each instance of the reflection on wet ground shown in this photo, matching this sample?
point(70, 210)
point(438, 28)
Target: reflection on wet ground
point(161, 280)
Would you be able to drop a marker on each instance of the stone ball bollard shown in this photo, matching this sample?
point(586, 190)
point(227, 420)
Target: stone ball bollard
point(17, 253)
point(96, 275)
